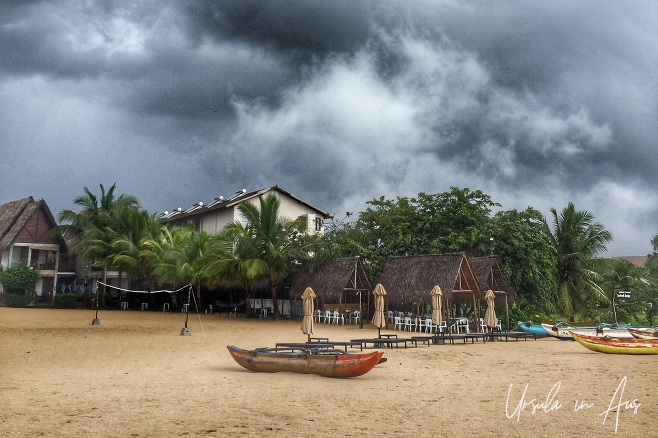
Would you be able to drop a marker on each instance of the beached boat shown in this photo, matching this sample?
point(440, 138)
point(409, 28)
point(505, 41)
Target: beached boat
point(543, 320)
point(609, 344)
point(328, 364)
point(643, 333)
point(531, 328)
point(562, 330)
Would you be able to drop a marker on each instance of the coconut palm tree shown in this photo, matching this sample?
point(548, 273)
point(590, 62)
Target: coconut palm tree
point(224, 266)
point(137, 226)
point(271, 244)
point(617, 275)
point(179, 256)
point(577, 240)
point(91, 227)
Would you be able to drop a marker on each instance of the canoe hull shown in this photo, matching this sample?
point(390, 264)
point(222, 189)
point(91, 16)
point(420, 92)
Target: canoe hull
point(534, 329)
point(543, 320)
point(564, 331)
point(608, 344)
point(328, 365)
point(643, 334)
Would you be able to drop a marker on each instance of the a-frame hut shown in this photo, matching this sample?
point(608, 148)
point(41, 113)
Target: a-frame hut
point(337, 284)
point(489, 274)
point(410, 279)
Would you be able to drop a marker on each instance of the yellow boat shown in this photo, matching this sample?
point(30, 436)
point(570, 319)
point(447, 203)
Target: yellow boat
point(608, 344)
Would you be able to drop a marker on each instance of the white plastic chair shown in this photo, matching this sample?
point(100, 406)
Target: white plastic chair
point(336, 317)
point(327, 316)
point(399, 322)
point(429, 326)
point(317, 315)
point(409, 323)
point(462, 323)
point(443, 327)
point(420, 325)
point(499, 326)
point(355, 316)
point(391, 316)
point(483, 326)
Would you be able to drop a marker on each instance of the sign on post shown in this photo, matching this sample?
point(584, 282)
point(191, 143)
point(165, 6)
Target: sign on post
point(623, 294)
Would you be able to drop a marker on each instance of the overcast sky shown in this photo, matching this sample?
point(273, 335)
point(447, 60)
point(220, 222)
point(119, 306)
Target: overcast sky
point(338, 102)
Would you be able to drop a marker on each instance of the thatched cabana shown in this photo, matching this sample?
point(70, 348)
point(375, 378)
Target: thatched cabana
point(409, 279)
point(489, 274)
point(337, 283)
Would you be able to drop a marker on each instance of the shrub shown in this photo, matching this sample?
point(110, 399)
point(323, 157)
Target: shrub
point(19, 276)
point(64, 301)
point(17, 300)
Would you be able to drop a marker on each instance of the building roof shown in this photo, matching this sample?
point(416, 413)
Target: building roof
point(489, 274)
point(15, 215)
point(411, 278)
point(639, 261)
point(332, 278)
point(221, 203)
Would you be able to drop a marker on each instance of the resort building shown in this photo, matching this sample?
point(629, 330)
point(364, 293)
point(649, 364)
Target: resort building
point(214, 216)
point(25, 234)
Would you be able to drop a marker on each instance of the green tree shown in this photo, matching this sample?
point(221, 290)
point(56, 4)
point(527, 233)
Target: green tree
point(225, 266)
point(577, 239)
point(270, 243)
point(127, 244)
point(619, 275)
point(520, 239)
point(179, 256)
point(93, 226)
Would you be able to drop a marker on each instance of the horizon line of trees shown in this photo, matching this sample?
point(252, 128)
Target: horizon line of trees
point(553, 267)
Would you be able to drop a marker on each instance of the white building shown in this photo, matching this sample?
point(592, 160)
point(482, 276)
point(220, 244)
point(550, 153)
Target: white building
point(214, 216)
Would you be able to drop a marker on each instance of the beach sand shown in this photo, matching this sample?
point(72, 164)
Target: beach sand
point(135, 376)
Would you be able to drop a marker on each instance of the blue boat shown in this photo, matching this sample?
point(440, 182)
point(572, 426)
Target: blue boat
point(531, 328)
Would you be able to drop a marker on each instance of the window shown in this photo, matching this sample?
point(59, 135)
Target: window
point(318, 224)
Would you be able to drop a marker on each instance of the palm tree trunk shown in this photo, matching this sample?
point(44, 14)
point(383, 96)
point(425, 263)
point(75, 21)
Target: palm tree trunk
point(104, 287)
point(275, 302)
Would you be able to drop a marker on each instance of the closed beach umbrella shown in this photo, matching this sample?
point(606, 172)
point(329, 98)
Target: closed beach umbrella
point(436, 295)
point(307, 321)
point(490, 316)
point(378, 319)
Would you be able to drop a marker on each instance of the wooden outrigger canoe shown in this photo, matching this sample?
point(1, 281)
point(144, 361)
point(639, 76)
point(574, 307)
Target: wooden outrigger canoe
point(608, 344)
point(562, 330)
point(650, 333)
point(543, 320)
point(321, 363)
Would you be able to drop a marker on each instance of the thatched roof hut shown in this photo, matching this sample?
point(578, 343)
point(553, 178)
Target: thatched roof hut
point(489, 274)
point(337, 281)
point(410, 279)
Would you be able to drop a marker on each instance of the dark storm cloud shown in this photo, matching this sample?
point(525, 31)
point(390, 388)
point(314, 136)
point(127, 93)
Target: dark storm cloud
point(535, 103)
point(300, 27)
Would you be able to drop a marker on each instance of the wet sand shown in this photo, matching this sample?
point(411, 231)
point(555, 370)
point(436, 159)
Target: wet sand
point(134, 375)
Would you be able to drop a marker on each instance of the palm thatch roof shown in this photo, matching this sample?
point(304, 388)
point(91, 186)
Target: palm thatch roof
point(333, 279)
point(489, 274)
point(411, 278)
point(26, 221)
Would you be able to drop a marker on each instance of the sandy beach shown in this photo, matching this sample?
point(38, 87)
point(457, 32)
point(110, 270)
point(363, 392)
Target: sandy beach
point(134, 375)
